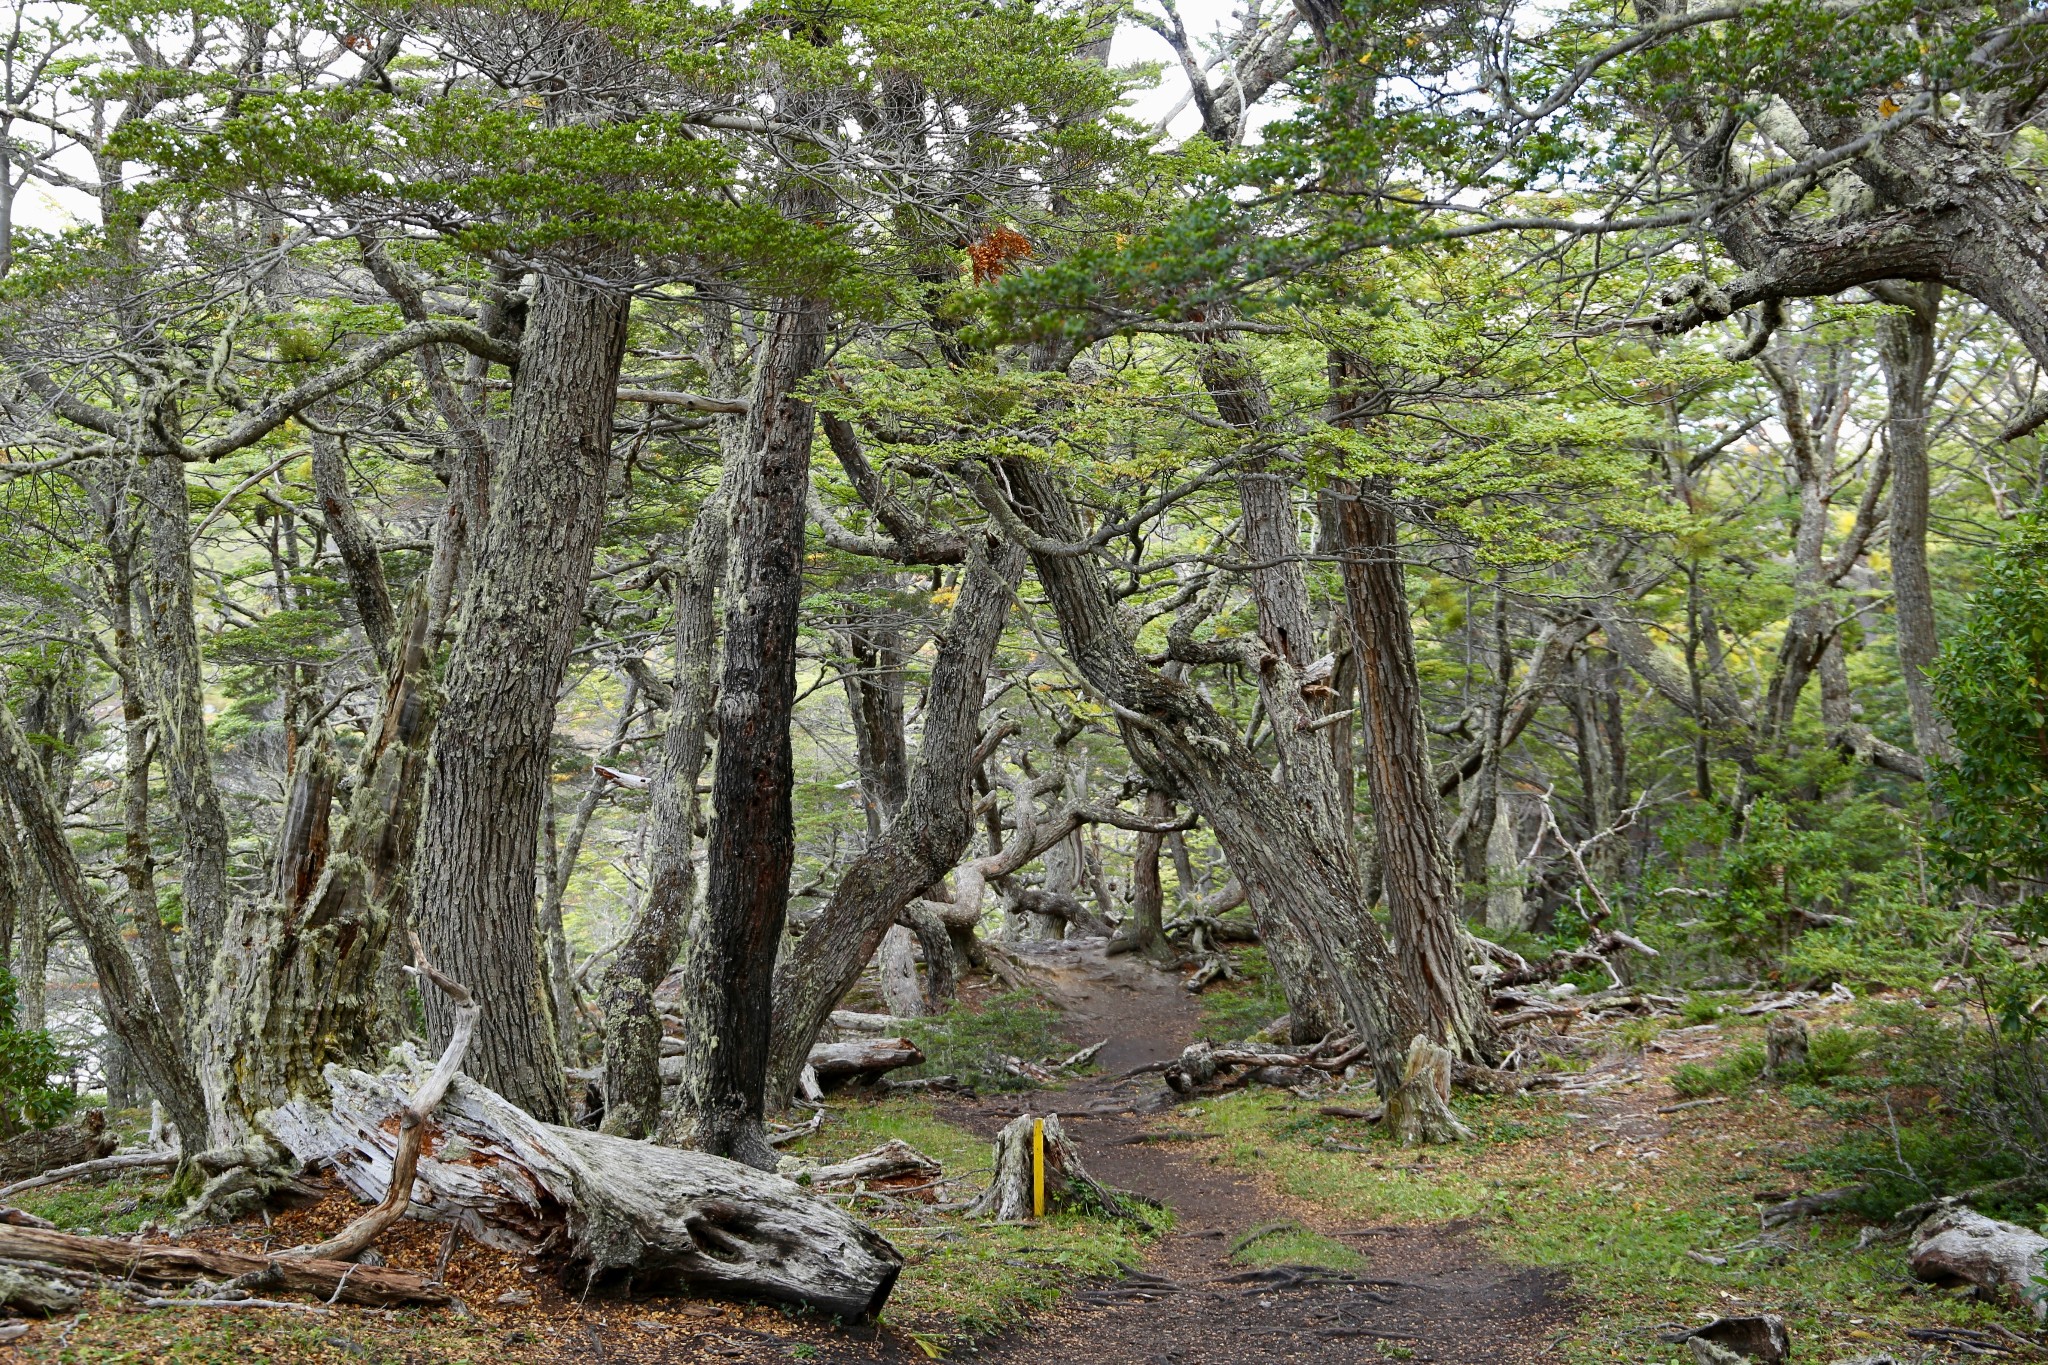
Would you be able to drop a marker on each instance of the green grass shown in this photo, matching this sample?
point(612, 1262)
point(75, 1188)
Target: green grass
point(969, 1043)
point(112, 1209)
point(966, 1276)
point(1298, 1246)
point(1234, 1010)
point(1547, 1192)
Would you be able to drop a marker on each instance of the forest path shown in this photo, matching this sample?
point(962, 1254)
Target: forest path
point(1425, 1293)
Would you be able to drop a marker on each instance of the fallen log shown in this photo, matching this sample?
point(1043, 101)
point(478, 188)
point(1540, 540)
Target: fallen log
point(43, 1149)
point(106, 1165)
point(1956, 1245)
point(169, 1264)
point(862, 1058)
point(608, 1205)
point(893, 1160)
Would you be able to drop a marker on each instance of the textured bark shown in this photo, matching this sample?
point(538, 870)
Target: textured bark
point(158, 1050)
point(927, 838)
point(729, 971)
point(171, 638)
point(1288, 866)
point(1811, 625)
point(473, 904)
point(606, 1204)
point(874, 701)
point(357, 545)
point(1906, 346)
point(632, 1024)
point(169, 1264)
point(1145, 931)
point(1421, 889)
point(297, 980)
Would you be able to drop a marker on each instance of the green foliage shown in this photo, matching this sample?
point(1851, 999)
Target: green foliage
point(1700, 1009)
point(1992, 686)
point(28, 1059)
point(1730, 1075)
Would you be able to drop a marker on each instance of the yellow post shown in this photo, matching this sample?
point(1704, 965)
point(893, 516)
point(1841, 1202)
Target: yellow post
point(1038, 1168)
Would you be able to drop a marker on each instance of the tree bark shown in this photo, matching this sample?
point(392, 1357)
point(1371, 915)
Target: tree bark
point(729, 972)
point(172, 638)
point(357, 545)
point(928, 837)
point(1906, 347)
point(473, 903)
point(1422, 890)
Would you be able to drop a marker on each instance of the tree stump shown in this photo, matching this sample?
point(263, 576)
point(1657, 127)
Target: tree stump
point(1011, 1193)
point(1785, 1043)
point(608, 1205)
point(1957, 1245)
point(1419, 1110)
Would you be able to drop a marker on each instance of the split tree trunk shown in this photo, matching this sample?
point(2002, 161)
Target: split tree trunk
point(928, 837)
point(729, 973)
point(473, 902)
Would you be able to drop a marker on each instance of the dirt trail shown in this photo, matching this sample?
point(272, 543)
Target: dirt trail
point(1425, 1293)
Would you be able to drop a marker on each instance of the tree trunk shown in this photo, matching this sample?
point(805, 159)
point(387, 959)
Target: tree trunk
point(1906, 346)
point(172, 638)
point(1145, 932)
point(473, 902)
point(729, 971)
point(297, 985)
point(357, 545)
point(1422, 891)
point(874, 700)
point(926, 840)
point(632, 1024)
point(158, 1050)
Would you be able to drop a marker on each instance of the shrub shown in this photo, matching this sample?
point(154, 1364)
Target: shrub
point(28, 1059)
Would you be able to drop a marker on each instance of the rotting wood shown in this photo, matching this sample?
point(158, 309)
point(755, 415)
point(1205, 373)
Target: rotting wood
point(893, 1160)
point(1008, 1198)
point(862, 1058)
point(168, 1264)
point(606, 1204)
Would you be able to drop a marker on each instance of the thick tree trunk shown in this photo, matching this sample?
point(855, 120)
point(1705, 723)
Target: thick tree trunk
point(632, 1024)
point(928, 837)
point(1145, 932)
point(1288, 867)
point(297, 985)
point(729, 972)
point(157, 1048)
point(874, 700)
point(171, 635)
point(1422, 890)
point(473, 902)
point(1906, 346)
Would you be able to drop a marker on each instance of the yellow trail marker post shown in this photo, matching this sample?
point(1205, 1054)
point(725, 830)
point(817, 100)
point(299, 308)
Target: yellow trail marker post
point(1038, 1168)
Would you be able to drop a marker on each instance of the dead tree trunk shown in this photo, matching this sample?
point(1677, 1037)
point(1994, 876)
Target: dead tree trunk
point(473, 901)
point(926, 840)
point(729, 972)
point(619, 1209)
point(1027, 1143)
point(297, 980)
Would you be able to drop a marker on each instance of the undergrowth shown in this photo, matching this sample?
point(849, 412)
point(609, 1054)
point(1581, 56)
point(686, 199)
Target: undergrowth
point(1237, 1009)
point(969, 1042)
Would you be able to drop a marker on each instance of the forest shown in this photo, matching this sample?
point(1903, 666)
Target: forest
point(1133, 680)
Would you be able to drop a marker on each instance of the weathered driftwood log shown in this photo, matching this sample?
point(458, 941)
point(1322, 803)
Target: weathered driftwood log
point(1956, 1245)
point(1206, 1068)
point(1010, 1196)
point(893, 1160)
point(34, 1289)
point(853, 1021)
point(105, 1165)
point(862, 1058)
point(163, 1263)
point(1760, 1338)
point(608, 1204)
point(68, 1144)
point(1785, 1043)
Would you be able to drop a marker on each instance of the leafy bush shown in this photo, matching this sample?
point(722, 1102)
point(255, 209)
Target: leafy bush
point(28, 1059)
point(1733, 1072)
point(1700, 1009)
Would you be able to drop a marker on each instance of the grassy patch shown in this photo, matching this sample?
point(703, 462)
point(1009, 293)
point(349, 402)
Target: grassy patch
point(965, 1276)
point(969, 1042)
point(1237, 1009)
point(1622, 1218)
point(112, 1209)
point(1297, 1245)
